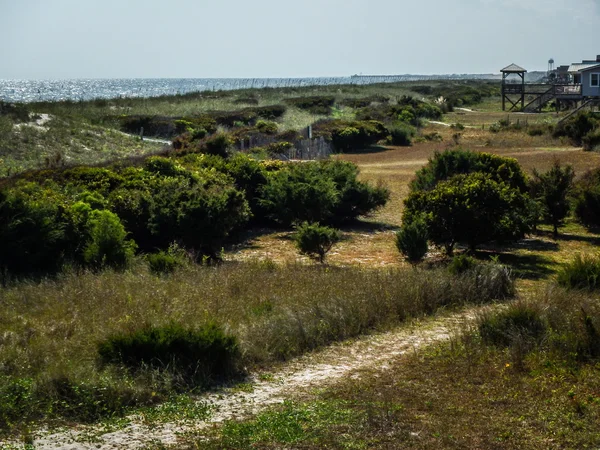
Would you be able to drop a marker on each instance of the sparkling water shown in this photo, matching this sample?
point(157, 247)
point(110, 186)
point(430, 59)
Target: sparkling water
point(82, 89)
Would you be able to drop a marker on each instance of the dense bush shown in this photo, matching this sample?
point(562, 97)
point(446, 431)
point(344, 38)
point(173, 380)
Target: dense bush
point(408, 110)
point(218, 145)
point(444, 165)
point(107, 245)
point(192, 356)
point(315, 240)
point(347, 135)
point(461, 263)
point(457, 93)
point(163, 126)
point(401, 134)
point(32, 235)
point(326, 192)
point(363, 102)
point(411, 240)
point(469, 209)
point(315, 104)
point(577, 127)
point(267, 127)
point(248, 116)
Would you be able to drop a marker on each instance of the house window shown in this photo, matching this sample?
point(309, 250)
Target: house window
point(595, 80)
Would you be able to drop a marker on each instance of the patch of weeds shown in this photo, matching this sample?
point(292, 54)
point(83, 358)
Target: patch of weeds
point(322, 423)
point(180, 408)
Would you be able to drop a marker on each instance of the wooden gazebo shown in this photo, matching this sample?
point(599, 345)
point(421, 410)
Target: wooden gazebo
point(512, 90)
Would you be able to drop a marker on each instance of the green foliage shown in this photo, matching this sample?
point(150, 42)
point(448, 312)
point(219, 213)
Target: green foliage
point(267, 127)
point(218, 145)
point(411, 240)
point(577, 127)
point(314, 104)
point(349, 135)
point(581, 273)
point(191, 356)
point(444, 165)
point(461, 264)
point(591, 141)
point(551, 189)
point(315, 240)
point(458, 93)
point(327, 192)
point(162, 263)
point(401, 134)
point(408, 110)
point(248, 116)
point(164, 126)
point(469, 209)
point(107, 246)
point(32, 235)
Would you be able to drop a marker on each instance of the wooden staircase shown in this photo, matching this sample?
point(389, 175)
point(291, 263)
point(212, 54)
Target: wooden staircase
point(538, 103)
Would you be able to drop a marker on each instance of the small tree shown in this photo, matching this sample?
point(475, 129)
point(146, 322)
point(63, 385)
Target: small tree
point(551, 189)
point(411, 240)
point(315, 240)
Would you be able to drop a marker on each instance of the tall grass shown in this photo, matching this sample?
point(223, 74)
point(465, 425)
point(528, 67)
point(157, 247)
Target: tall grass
point(50, 331)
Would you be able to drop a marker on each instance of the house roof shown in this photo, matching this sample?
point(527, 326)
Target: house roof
point(513, 68)
point(582, 67)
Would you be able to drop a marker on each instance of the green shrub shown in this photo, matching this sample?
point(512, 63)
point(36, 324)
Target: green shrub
point(327, 192)
point(346, 135)
point(218, 145)
point(314, 240)
point(591, 141)
point(315, 104)
point(461, 264)
point(470, 209)
point(32, 234)
point(162, 263)
point(581, 273)
point(193, 357)
point(107, 246)
point(519, 324)
point(536, 130)
point(267, 127)
point(577, 127)
point(401, 134)
point(444, 165)
point(411, 240)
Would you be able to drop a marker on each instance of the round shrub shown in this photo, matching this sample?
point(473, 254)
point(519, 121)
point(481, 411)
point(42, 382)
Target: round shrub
point(267, 127)
point(314, 240)
point(218, 144)
point(411, 240)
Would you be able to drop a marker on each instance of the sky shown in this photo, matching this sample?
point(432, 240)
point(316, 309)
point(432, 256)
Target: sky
point(59, 39)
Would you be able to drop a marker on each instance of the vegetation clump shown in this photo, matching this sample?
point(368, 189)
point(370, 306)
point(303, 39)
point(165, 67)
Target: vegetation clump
point(583, 272)
point(315, 240)
point(411, 240)
point(314, 104)
point(192, 356)
point(469, 209)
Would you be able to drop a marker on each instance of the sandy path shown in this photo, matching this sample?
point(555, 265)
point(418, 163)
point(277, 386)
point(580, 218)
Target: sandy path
point(299, 376)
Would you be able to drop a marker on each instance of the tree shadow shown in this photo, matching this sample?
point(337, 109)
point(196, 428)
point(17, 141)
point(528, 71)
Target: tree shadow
point(594, 240)
point(535, 245)
point(528, 267)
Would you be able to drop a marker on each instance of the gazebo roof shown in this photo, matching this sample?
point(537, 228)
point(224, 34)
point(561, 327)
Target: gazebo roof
point(513, 68)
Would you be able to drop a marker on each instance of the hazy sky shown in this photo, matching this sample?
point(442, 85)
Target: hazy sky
point(44, 39)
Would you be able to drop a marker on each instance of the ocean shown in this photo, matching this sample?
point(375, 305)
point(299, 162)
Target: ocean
point(88, 89)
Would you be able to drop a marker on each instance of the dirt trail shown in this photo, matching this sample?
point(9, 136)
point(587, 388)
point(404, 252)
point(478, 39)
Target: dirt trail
point(301, 375)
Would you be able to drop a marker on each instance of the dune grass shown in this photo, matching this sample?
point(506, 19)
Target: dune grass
point(50, 331)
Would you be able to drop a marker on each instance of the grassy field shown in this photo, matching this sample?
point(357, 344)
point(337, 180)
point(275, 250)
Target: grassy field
point(463, 394)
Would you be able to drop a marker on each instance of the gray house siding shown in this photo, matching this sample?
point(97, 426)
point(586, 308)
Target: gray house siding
point(587, 90)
